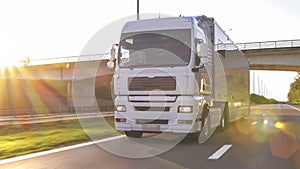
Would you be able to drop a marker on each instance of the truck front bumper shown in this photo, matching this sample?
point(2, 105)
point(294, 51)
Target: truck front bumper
point(186, 124)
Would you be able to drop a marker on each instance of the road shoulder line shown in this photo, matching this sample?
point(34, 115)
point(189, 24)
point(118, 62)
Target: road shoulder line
point(28, 156)
point(294, 107)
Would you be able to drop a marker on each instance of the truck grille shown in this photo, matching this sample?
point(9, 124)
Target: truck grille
point(142, 121)
point(166, 83)
point(159, 109)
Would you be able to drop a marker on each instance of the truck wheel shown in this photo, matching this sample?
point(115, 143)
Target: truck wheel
point(206, 125)
point(191, 137)
point(205, 120)
point(204, 114)
point(134, 134)
point(224, 120)
point(205, 131)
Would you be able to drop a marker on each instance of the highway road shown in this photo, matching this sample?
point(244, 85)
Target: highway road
point(268, 138)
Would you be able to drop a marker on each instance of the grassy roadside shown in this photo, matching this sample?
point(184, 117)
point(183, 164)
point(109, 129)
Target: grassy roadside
point(16, 140)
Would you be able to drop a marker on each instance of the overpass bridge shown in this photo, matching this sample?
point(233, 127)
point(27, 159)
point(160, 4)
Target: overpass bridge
point(271, 55)
point(67, 81)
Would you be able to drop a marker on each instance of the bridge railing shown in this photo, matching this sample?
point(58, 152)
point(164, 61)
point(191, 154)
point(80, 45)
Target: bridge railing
point(261, 45)
point(67, 59)
point(39, 112)
point(241, 46)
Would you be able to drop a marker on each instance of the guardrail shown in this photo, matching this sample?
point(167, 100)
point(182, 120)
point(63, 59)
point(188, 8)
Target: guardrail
point(33, 112)
point(260, 45)
point(67, 59)
point(269, 44)
point(240, 46)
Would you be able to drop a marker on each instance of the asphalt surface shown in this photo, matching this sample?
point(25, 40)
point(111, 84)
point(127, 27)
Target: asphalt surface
point(269, 138)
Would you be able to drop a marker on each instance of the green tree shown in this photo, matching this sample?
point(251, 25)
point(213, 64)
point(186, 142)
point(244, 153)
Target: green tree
point(257, 99)
point(294, 93)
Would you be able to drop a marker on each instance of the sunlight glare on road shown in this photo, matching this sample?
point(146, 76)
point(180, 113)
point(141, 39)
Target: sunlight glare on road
point(279, 125)
point(266, 122)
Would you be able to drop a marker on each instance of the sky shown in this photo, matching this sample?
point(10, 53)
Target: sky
point(59, 28)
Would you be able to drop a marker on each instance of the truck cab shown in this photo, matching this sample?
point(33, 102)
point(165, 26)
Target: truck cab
point(164, 79)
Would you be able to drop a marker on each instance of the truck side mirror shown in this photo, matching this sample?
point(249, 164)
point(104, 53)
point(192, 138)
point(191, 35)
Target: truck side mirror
point(201, 48)
point(201, 52)
point(112, 60)
point(110, 64)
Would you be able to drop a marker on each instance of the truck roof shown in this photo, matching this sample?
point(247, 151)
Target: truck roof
point(158, 24)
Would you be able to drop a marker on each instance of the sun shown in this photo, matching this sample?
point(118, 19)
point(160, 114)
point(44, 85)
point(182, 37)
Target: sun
point(12, 62)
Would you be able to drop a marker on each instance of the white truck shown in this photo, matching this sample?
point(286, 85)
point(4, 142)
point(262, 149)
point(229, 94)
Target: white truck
point(174, 75)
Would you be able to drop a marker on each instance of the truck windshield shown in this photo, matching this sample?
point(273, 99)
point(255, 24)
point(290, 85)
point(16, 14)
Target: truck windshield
point(155, 49)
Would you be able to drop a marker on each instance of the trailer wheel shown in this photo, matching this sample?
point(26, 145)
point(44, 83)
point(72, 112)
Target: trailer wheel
point(134, 134)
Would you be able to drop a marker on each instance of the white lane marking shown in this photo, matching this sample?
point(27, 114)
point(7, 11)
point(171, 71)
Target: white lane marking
point(294, 107)
point(220, 152)
point(28, 156)
point(254, 123)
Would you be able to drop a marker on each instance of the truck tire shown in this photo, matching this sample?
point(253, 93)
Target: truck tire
point(225, 118)
point(191, 137)
point(205, 120)
point(206, 129)
point(206, 125)
point(134, 134)
point(204, 114)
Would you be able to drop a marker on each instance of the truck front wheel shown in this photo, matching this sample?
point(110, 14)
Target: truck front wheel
point(225, 118)
point(134, 134)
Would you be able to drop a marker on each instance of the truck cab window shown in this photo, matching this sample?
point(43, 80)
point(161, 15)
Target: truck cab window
point(161, 48)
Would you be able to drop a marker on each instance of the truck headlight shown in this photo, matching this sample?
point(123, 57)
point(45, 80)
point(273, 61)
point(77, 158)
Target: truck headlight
point(121, 108)
point(185, 109)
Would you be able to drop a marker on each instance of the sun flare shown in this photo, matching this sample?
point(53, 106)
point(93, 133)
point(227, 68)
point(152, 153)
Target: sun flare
point(10, 62)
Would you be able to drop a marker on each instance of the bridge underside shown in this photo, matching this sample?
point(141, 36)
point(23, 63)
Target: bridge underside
point(274, 67)
point(282, 59)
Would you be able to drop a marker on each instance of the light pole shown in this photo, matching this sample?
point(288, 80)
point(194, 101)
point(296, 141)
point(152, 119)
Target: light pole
point(253, 82)
point(138, 10)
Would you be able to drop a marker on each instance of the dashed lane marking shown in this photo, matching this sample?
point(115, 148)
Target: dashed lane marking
point(219, 153)
point(254, 123)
